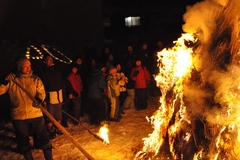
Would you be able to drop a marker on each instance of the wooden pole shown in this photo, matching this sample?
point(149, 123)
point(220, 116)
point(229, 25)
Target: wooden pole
point(65, 132)
point(59, 126)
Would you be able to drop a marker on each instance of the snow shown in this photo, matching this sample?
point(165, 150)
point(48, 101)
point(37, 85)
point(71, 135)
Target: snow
point(125, 138)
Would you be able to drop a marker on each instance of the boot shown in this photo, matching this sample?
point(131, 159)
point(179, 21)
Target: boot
point(28, 155)
point(52, 132)
point(48, 154)
point(58, 131)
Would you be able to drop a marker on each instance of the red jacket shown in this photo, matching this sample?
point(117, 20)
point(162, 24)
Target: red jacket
point(76, 81)
point(142, 78)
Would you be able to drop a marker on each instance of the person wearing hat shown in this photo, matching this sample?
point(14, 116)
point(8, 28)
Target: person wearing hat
point(113, 94)
point(141, 76)
point(24, 112)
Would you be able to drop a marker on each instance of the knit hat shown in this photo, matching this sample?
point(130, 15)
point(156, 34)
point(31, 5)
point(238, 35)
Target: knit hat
point(22, 61)
point(112, 69)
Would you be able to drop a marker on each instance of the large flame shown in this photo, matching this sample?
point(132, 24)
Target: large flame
point(175, 65)
point(212, 99)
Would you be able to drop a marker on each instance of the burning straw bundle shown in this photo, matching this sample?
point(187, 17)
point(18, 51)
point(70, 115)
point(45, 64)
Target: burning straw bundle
point(199, 119)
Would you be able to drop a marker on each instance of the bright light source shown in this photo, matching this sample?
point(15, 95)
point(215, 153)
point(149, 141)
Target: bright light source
point(132, 21)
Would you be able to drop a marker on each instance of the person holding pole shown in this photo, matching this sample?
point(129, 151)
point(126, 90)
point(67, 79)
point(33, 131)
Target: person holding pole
point(25, 112)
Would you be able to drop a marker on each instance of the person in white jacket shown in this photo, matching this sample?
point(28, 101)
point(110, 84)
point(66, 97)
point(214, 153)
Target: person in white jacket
point(25, 113)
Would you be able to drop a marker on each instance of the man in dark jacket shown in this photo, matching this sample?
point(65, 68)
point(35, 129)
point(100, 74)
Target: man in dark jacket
point(54, 84)
point(96, 86)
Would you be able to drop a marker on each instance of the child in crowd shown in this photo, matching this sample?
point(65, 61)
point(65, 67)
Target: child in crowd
point(113, 94)
point(75, 79)
point(141, 76)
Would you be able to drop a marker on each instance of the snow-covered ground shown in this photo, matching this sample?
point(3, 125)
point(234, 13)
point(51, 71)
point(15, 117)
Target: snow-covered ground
point(125, 138)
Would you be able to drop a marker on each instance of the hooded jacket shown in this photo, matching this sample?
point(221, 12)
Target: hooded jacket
point(96, 84)
point(141, 78)
point(21, 103)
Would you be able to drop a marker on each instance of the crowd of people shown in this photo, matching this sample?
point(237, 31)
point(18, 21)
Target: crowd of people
point(99, 87)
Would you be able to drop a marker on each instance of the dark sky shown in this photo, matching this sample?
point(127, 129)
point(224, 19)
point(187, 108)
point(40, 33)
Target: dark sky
point(147, 2)
point(26, 17)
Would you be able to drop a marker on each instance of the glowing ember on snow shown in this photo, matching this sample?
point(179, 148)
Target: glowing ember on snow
point(103, 133)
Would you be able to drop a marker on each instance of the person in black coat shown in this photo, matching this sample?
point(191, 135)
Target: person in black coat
point(54, 83)
point(96, 86)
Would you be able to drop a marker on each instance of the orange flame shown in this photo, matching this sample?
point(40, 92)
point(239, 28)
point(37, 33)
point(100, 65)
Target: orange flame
point(103, 133)
point(174, 65)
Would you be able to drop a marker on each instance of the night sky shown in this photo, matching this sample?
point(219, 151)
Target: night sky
point(35, 18)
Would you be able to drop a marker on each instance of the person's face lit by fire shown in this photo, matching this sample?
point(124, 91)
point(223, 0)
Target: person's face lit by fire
point(130, 49)
point(25, 69)
point(138, 63)
point(110, 58)
point(48, 61)
point(118, 67)
point(74, 70)
point(144, 47)
point(113, 73)
point(106, 50)
point(79, 61)
point(104, 69)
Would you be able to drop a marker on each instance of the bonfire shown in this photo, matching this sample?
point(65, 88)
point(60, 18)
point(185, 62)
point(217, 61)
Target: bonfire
point(198, 117)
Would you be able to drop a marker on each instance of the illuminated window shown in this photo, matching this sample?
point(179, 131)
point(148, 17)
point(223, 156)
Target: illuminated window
point(132, 21)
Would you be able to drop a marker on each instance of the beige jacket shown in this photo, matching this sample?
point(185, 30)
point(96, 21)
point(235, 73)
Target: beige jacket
point(113, 87)
point(21, 103)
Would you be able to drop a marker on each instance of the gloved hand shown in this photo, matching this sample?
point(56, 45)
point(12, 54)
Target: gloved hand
point(135, 73)
point(36, 102)
point(8, 78)
point(75, 94)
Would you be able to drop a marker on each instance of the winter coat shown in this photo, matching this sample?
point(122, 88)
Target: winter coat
point(21, 104)
point(96, 84)
point(76, 81)
point(54, 84)
point(114, 87)
point(141, 76)
point(129, 59)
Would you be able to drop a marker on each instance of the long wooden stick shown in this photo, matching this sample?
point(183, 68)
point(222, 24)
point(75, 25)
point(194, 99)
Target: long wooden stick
point(59, 126)
point(95, 135)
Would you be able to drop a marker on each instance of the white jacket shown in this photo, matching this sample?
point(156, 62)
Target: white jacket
point(21, 103)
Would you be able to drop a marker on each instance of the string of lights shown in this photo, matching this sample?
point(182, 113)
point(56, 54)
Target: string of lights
point(45, 48)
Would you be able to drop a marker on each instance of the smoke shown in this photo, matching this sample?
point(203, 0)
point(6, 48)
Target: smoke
point(215, 95)
point(200, 18)
point(212, 93)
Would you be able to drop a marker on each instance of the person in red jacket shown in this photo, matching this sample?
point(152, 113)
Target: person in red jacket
point(141, 76)
point(75, 79)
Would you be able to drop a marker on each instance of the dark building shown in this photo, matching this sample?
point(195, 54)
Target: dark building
point(137, 21)
point(68, 24)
